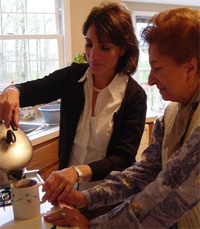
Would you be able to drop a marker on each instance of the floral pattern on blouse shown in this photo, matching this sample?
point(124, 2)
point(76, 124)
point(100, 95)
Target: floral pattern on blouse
point(152, 197)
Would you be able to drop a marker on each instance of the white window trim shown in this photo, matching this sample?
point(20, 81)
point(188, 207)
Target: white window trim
point(58, 37)
point(134, 14)
point(136, 75)
point(141, 13)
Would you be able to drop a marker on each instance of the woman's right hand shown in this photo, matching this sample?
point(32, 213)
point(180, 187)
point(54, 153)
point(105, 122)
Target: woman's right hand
point(9, 106)
point(75, 199)
point(59, 183)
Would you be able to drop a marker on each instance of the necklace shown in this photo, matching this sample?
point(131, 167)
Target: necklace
point(96, 89)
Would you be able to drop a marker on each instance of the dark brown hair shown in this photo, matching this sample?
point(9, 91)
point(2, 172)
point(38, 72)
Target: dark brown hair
point(113, 23)
point(176, 32)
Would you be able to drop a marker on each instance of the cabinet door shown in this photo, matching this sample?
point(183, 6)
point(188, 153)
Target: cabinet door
point(45, 158)
point(144, 142)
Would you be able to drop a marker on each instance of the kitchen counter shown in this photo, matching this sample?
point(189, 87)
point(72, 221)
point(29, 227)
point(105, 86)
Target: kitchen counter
point(45, 146)
point(7, 220)
point(42, 136)
point(53, 132)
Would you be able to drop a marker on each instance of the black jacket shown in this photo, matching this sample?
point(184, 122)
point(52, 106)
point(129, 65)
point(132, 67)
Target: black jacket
point(128, 121)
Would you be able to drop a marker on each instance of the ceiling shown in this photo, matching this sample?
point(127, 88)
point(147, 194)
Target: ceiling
point(171, 2)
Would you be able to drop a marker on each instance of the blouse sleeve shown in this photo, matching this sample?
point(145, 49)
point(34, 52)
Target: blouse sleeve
point(162, 202)
point(120, 185)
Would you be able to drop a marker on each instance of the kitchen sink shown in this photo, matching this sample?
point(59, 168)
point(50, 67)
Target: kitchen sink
point(35, 128)
point(29, 127)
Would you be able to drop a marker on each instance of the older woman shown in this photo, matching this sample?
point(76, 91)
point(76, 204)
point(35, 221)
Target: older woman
point(161, 191)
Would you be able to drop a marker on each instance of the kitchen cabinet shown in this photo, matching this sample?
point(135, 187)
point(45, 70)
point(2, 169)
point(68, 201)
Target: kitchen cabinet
point(146, 136)
point(144, 142)
point(45, 157)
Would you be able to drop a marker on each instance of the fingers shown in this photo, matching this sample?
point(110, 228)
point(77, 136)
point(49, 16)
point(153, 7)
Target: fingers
point(57, 184)
point(69, 217)
point(9, 108)
point(48, 183)
point(73, 198)
point(8, 114)
point(54, 195)
point(64, 193)
point(58, 188)
point(57, 218)
point(15, 117)
point(52, 187)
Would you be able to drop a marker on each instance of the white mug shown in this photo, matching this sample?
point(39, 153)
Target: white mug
point(25, 198)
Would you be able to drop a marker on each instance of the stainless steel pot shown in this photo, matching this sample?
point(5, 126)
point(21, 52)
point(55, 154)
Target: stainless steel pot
point(15, 152)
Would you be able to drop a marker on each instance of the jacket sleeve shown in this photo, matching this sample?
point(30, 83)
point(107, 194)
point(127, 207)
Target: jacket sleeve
point(50, 87)
point(163, 201)
point(128, 128)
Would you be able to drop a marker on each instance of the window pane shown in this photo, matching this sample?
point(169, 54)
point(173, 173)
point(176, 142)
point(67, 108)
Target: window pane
point(24, 59)
point(30, 43)
point(28, 17)
point(154, 99)
point(41, 6)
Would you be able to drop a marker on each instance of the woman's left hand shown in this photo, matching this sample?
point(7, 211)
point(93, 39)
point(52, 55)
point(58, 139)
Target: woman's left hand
point(59, 183)
point(68, 217)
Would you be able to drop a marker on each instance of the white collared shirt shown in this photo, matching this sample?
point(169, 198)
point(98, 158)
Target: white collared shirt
point(93, 132)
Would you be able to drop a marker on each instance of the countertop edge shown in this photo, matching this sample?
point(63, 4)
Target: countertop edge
point(41, 137)
point(53, 132)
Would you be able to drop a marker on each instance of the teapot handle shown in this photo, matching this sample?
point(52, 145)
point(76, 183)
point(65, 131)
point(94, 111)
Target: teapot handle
point(13, 125)
point(11, 138)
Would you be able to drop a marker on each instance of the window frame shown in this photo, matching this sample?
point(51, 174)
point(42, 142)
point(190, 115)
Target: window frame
point(155, 103)
point(135, 14)
point(58, 36)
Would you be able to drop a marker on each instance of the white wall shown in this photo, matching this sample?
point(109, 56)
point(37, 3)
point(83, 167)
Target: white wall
point(153, 7)
point(170, 2)
point(76, 12)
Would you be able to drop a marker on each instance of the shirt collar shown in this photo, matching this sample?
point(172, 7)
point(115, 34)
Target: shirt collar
point(113, 88)
point(87, 75)
point(118, 85)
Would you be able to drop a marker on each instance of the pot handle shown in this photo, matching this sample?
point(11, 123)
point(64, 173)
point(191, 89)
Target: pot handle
point(11, 138)
point(13, 125)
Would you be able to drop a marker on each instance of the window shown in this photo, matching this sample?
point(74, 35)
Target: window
point(154, 100)
point(30, 39)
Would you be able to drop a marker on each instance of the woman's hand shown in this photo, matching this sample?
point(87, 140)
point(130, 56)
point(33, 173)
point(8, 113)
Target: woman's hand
point(75, 199)
point(9, 106)
point(60, 183)
point(68, 217)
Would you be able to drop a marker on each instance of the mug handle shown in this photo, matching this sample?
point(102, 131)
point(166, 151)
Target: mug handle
point(40, 191)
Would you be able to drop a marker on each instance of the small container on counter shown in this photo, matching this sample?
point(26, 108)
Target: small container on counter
point(27, 113)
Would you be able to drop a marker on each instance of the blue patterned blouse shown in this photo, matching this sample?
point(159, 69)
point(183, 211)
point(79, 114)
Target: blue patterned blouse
point(151, 197)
